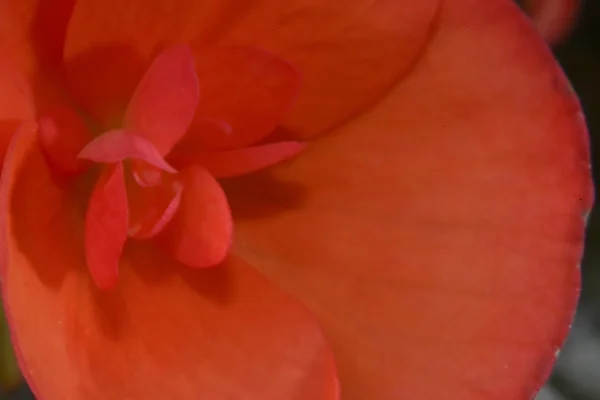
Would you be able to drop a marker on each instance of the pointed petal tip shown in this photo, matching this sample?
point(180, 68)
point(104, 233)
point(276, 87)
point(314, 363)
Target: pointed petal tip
point(165, 101)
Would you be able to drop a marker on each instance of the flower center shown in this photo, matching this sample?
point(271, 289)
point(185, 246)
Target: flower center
point(159, 170)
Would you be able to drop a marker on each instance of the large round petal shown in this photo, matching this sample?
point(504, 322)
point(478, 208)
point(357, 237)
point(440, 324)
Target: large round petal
point(165, 332)
point(437, 237)
point(336, 45)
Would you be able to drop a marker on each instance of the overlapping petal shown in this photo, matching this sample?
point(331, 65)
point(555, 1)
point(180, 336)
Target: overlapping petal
point(431, 237)
point(16, 102)
point(201, 232)
point(152, 207)
point(62, 135)
point(229, 163)
point(336, 46)
point(249, 88)
point(437, 237)
point(119, 144)
point(166, 331)
point(106, 223)
point(164, 102)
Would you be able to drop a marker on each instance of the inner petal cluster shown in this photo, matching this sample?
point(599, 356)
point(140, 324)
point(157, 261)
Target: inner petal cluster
point(158, 172)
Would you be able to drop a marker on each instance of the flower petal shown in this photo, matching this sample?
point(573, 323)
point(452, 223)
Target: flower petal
point(200, 233)
point(229, 163)
point(224, 333)
point(32, 36)
point(164, 103)
point(62, 135)
point(335, 45)
point(152, 207)
point(106, 223)
point(248, 88)
point(16, 101)
point(32, 32)
point(118, 145)
point(437, 237)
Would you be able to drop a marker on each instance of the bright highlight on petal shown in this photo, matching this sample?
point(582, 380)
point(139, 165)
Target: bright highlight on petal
point(165, 100)
point(335, 45)
point(106, 223)
point(187, 212)
point(200, 233)
point(118, 145)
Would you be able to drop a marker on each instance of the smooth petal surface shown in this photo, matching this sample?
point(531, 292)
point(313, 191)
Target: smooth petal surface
point(229, 163)
point(32, 36)
point(16, 100)
point(437, 237)
point(16, 21)
point(336, 46)
point(192, 334)
point(106, 223)
point(250, 89)
point(165, 101)
point(200, 233)
point(118, 145)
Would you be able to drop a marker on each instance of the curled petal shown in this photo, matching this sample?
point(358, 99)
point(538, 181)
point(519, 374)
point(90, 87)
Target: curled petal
point(200, 233)
point(229, 163)
point(106, 226)
point(335, 45)
point(152, 206)
point(165, 101)
point(437, 237)
point(118, 145)
point(192, 333)
point(145, 174)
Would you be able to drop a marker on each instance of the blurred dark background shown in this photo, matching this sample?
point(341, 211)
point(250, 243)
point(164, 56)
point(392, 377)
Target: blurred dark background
point(577, 372)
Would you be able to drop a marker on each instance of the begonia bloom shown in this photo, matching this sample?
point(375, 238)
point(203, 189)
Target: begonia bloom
point(302, 199)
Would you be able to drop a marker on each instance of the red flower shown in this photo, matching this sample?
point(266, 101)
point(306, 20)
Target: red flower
point(432, 226)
